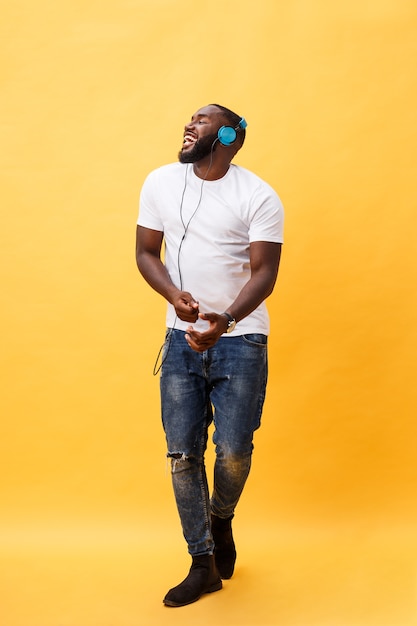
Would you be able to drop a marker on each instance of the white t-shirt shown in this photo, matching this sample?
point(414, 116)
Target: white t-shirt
point(208, 226)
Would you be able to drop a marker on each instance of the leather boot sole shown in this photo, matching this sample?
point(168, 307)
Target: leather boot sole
point(214, 587)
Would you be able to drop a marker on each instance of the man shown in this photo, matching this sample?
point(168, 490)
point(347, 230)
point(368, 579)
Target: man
point(222, 227)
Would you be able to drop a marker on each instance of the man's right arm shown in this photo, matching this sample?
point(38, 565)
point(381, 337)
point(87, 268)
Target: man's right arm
point(148, 260)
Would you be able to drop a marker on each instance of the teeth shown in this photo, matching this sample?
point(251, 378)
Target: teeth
point(189, 139)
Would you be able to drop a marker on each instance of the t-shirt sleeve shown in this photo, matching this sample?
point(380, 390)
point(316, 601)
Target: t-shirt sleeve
point(149, 216)
point(267, 216)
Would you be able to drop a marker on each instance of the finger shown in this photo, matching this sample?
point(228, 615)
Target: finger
point(208, 316)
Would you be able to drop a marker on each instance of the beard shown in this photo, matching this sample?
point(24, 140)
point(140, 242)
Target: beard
point(200, 150)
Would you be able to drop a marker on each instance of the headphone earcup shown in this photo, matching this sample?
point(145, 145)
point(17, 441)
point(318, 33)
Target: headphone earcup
point(226, 135)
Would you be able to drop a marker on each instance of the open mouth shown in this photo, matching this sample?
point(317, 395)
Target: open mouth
point(189, 140)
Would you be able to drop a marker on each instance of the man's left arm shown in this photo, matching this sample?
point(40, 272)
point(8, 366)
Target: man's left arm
point(264, 263)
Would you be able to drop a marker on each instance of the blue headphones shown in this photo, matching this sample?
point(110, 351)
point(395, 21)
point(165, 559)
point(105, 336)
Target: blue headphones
point(227, 134)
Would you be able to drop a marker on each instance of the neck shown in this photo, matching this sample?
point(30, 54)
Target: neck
point(210, 168)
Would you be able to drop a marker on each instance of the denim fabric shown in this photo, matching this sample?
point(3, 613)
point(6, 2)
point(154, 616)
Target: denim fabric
point(225, 384)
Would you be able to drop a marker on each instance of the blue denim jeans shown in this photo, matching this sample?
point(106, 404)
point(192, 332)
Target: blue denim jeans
point(225, 384)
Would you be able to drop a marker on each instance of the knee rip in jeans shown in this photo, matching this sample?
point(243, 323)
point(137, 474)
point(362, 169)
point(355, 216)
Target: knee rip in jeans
point(179, 461)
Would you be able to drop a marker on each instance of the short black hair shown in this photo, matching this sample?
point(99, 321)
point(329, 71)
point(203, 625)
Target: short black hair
point(233, 119)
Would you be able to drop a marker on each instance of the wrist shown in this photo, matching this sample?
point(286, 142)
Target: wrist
point(231, 322)
point(172, 294)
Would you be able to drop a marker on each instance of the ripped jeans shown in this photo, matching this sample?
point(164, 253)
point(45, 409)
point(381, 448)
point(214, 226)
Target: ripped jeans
point(225, 384)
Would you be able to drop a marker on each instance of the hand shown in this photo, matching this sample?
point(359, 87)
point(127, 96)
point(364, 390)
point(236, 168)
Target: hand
point(186, 307)
point(201, 341)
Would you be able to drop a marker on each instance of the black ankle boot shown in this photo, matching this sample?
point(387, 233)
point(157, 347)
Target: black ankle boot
point(202, 578)
point(224, 551)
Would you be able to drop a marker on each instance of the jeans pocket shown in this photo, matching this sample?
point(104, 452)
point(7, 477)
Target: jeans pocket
point(167, 343)
point(256, 339)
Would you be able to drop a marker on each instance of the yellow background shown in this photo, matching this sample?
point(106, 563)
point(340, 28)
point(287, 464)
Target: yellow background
point(93, 96)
